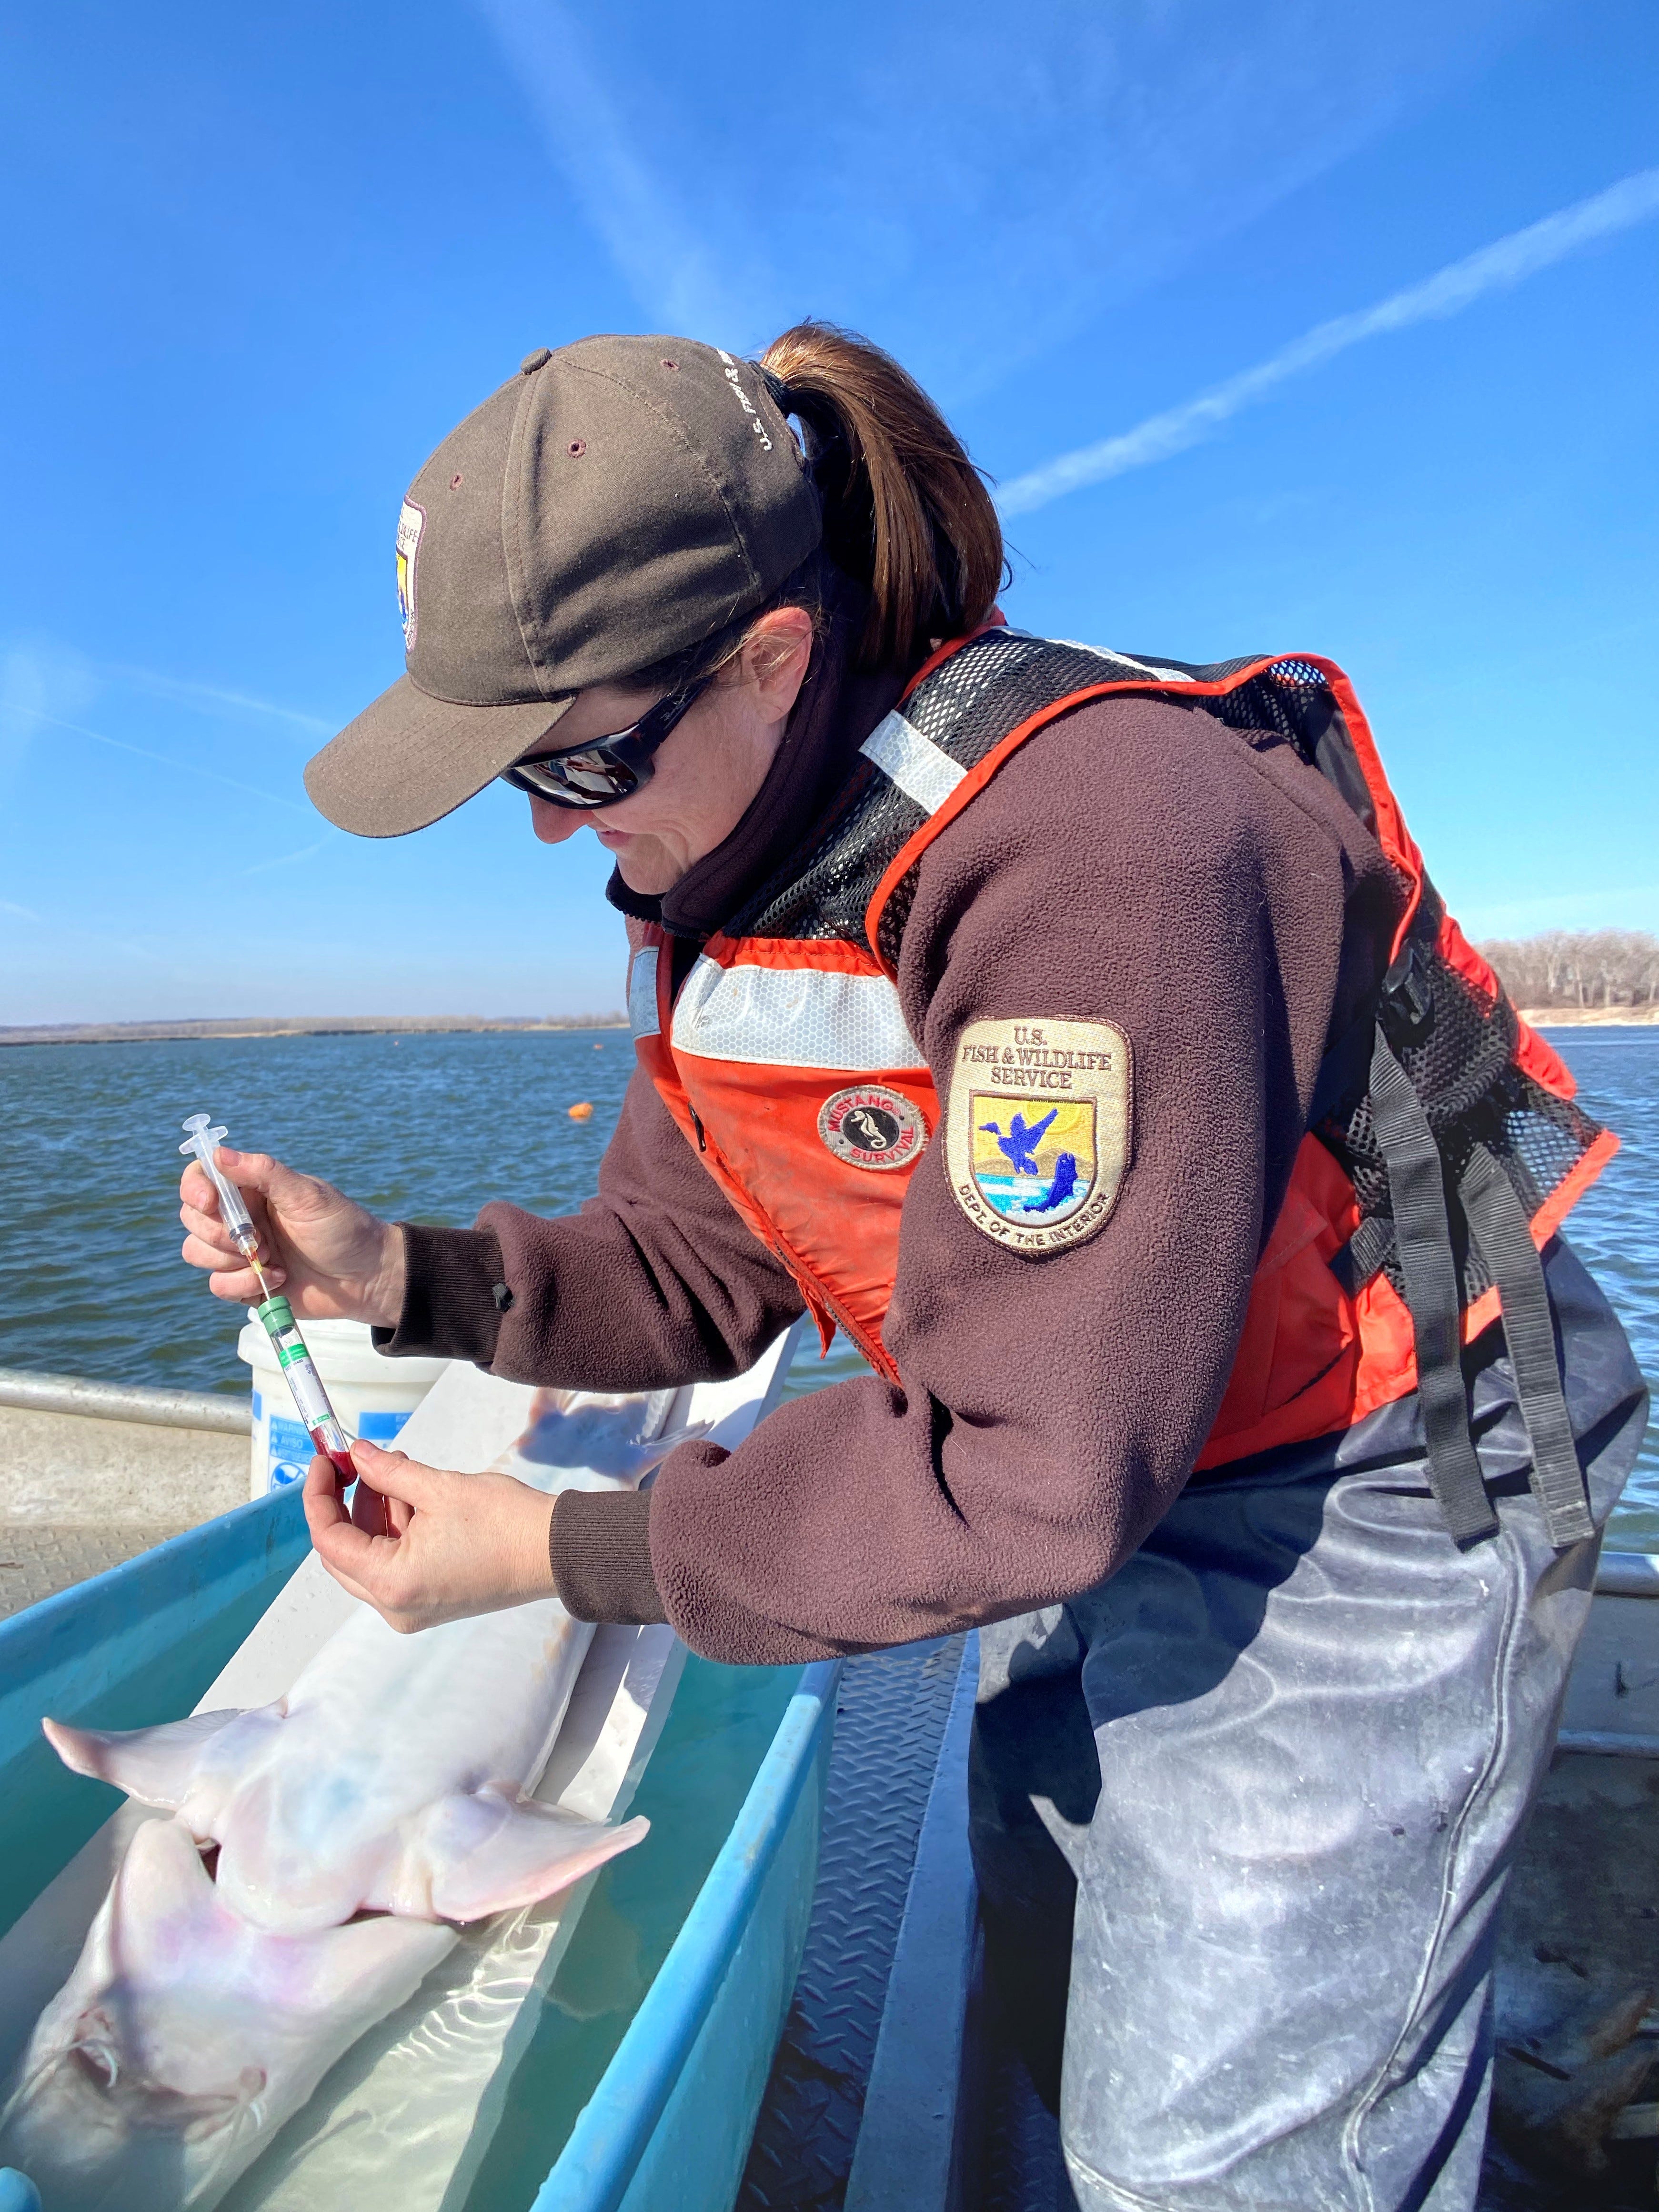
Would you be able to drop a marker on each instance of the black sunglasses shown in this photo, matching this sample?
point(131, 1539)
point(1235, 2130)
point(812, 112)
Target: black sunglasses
point(606, 769)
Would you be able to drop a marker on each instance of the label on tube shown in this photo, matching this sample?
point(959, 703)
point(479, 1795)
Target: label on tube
point(310, 1398)
point(309, 1395)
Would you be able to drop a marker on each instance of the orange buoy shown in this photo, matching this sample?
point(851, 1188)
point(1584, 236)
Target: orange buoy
point(582, 1113)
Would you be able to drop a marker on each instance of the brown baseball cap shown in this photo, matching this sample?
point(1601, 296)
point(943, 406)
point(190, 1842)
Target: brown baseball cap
point(617, 502)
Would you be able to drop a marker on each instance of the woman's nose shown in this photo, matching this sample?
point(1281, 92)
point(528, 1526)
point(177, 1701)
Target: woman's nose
point(553, 824)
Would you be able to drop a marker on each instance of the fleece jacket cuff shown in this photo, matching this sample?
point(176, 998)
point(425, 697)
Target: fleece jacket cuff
point(453, 1296)
point(600, 1550)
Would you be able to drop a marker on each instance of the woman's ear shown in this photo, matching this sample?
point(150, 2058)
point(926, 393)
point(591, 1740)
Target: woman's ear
point(774, 658)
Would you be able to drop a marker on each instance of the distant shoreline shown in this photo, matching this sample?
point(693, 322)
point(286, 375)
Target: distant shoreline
point(301, 1025)
point(521, 1026)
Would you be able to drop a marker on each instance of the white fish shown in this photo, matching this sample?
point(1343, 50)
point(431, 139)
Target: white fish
point(183, 2038)
point(391, 1780)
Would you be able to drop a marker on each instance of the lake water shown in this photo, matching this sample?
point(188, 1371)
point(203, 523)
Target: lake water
point(425, 1128)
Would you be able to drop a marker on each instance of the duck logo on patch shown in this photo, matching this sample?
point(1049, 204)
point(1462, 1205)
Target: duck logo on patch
point(870, 1126)
point(410, 522)
point(1037, 1135)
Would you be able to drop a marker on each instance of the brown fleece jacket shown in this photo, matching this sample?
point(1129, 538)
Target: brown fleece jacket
point(1135, 863)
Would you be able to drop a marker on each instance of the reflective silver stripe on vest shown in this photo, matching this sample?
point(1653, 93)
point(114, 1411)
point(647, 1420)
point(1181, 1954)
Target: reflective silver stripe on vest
point(922, 770)
point(793, 1017)
point(1163, 675)
point(642, 993)
point(1127, 660)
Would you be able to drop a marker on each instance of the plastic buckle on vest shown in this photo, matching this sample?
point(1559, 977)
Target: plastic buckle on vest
point(1406, 1010)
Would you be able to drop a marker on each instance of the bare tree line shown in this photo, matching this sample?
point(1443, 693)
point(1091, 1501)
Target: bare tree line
point(1578, 967)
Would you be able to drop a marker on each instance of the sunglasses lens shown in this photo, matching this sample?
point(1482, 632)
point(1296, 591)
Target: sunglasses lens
point(593, 776)
point(588, 779)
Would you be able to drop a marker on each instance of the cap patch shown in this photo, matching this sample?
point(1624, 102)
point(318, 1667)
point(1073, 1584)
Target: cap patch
point(1037, 1129)
point(870, 1126)
point(410, 522)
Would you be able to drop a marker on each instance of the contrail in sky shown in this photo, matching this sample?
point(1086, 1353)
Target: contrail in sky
point(1494, 269)
point(185, 772)
point(209, 696)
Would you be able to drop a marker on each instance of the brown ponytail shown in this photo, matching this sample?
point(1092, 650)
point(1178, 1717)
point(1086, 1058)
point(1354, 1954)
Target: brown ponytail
point(905, 511)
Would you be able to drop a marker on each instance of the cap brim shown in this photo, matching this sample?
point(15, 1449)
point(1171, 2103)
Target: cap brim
point(410, 759)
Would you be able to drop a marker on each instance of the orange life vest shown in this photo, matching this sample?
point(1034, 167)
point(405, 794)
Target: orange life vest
point(791, 1012)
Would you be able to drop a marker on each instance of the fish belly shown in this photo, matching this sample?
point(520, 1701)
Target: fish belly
point(378, 1734)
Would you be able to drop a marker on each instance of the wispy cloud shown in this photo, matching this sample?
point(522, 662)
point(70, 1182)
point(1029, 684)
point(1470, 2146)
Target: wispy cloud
point(969, 200)
point(186, 772)
point(286, 860)
point(675, 271)
point(63, 928)
point(32, 680)
point(1496, 268)
point(210, 698)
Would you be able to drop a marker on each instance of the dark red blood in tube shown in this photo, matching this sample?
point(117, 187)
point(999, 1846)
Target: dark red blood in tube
point(368, 1508)
point(339, 1461)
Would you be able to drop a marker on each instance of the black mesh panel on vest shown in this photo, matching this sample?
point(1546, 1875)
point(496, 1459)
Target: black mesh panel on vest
point(1009, 677)
point(969, 705)
point(826, 887)
point(1460, 1057)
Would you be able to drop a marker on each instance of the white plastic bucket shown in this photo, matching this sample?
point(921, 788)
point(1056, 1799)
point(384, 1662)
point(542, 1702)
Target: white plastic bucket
point(372, 1396)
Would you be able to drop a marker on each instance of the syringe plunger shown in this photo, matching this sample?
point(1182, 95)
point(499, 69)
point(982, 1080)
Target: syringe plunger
point(233, 1208)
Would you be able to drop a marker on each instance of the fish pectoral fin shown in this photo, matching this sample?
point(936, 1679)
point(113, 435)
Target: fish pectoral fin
point(492, 1851)
point(154, 1765)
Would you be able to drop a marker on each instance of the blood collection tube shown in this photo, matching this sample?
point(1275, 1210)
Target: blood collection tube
point(276, 1316)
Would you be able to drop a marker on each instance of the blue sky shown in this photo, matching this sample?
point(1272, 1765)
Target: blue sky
point(257, 263)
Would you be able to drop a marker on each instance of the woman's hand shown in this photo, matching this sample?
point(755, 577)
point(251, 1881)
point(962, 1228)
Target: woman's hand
point(459, 1543)
point(331, 1258)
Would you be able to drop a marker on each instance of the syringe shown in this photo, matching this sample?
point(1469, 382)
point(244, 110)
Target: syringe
point(275, 1314)
point(204, 1142)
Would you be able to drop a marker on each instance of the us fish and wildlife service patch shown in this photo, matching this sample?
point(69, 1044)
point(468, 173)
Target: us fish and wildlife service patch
point(1037, 1129)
